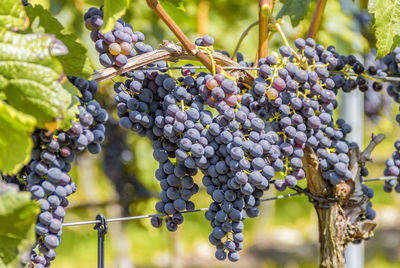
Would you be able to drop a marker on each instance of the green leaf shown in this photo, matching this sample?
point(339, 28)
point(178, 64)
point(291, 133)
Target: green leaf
point(18, 214)
point(113, 10)
point(386, 24)
point(29, 77)
point(295, 9)
point(176, 3)
point(15, 138)
point(76, 62)
point(12, 14)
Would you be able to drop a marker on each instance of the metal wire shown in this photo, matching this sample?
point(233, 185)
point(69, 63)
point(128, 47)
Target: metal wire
point(279, 197)
point(155, 215)
point(381, 179)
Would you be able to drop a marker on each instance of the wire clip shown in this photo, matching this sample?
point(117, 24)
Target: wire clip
point(101, 232)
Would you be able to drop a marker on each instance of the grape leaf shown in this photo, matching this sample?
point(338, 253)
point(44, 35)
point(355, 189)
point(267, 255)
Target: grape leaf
point(295, 9)
point(15, 137)
point(12, 14)
point(386, 24)
point(76, 62)
point(18, 215)
point(113, 10)
point(29, 77)
point(177, 3)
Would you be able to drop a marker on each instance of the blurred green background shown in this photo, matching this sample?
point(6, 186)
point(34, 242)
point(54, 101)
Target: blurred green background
point(285, 233)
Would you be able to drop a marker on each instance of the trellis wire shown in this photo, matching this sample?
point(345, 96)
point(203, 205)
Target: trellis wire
point(383, 78)
point(101, 224)
point(203, 209)
point(155, 215)
point(381, 179)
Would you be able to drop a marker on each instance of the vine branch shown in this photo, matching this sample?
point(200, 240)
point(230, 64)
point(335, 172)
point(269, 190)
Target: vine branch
point(186, 43)
point(375, 140)
point(317, 18)
point(170, 52)
point(265, 12)
point(244, 34)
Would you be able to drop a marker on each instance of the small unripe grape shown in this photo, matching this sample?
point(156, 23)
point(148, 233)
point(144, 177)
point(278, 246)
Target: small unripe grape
point(272, 93)
point(211, 83)
point(114, 49)
point(126, 48)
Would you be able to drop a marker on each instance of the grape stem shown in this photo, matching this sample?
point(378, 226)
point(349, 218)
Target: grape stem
point(264, 14)
point(187, 44)
point(317, 19)
point(285, 41)
point(375, 140)
point(244, 34)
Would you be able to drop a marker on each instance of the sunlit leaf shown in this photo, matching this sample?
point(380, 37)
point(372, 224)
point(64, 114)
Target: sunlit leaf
point(18, 215)
point(76, 62)
point(29, 77)
point(386, 24)
point(15, 137)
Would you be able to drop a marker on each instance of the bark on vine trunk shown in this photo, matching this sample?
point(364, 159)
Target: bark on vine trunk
point(342, 221)
point(331, 252)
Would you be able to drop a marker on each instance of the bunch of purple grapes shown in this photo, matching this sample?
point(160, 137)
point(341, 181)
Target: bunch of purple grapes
point(185, 137)
point(298, 97)
point(46, 176)
point(390, 64)
point(256, 137)
point(117, 45)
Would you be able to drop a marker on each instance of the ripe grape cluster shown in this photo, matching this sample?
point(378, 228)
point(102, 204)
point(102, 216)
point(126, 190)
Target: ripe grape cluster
point(390, 64)
point(387, 66)
point(150, 104)
point(185, 137)
point(117, 45)
point(252, 136)
point(392, 169)
point(46, 176)
point(297, 96)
